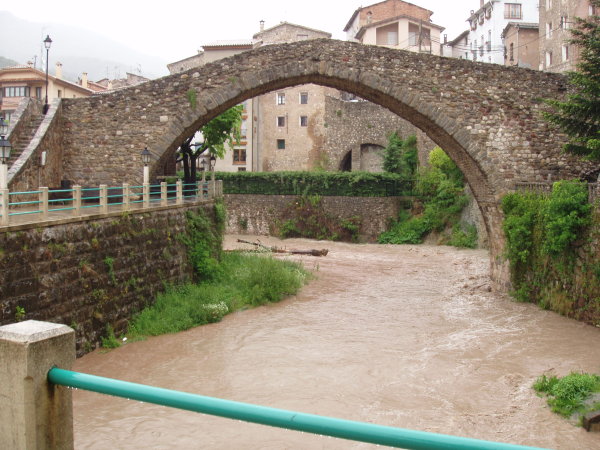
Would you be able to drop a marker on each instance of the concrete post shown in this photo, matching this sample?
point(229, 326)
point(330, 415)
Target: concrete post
point(43, 199)
point(4, 199)
point(35, 415)
point(179, 199)
point(103, 194)
point(146, 195)
point(163, 193)
point(76, 200)
point(126, 197)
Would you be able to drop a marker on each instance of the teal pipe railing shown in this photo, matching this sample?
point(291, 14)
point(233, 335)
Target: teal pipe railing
point(310, 423)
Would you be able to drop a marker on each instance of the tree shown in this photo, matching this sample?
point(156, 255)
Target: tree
point(579, 115)
point(400, 156)
point(223, 129)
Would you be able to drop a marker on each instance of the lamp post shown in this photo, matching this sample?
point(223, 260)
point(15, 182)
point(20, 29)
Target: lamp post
point(47, 44)
point(5, 149)
point(213, 163)
point(146, 160)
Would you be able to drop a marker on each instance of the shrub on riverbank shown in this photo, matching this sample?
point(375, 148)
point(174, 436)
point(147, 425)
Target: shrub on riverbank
point(552, 244)
point(243, 280)
point(440, 188)
point(567, 395)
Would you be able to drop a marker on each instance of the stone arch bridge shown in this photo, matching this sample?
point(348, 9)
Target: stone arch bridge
point(486, 117)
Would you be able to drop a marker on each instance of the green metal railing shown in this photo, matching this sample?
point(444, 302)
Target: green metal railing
point(328, 426)
point(98, 199)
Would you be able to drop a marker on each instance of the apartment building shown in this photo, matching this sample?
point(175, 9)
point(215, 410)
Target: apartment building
point(556, 54)
point(25, 81)
point(487, 24)
point(395, 24)
point(521, 45)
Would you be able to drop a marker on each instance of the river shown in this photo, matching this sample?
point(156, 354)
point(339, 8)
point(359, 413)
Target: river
point(405, 336)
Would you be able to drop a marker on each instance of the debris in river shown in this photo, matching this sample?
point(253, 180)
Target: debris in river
point(312, 252)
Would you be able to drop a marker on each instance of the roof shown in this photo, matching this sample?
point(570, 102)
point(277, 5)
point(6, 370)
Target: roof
point(358, 10)
point(238, 43)
point(455, 41)
point(526, 25)
point(362, 29)
point(281, 24)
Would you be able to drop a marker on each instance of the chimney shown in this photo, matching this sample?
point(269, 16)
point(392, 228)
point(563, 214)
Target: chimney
point(58, 72)
point(445, 38)
point(30, 64)
point(481, 2)
point(84, 80)
point(262, 25)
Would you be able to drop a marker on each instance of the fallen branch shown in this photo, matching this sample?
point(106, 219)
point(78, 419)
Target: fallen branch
point(313, 252)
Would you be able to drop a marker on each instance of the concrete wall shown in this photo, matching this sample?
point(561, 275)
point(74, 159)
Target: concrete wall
point(88, 274)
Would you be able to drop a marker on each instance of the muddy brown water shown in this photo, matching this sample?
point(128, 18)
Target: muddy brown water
point(405, 336)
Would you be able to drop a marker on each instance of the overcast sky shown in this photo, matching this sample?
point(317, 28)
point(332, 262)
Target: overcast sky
point(177, 28)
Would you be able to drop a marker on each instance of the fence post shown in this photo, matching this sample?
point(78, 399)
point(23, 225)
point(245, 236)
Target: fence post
point(212, 187)
point(199, 190)
point(126, 197)
point(76, 200)
point(33, 413)
point(103, 199)
point(179, 200)
point(43, 198)
point(4, 198)
point(163, 193)
point(146, 194)
point(220, 188)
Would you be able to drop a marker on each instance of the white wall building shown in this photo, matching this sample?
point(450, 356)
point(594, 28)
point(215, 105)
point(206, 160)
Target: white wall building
point(488, 22)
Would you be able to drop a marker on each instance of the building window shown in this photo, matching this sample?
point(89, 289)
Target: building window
point(281, 98)
point(59, 93)
point(511, 53)
point(244, 130)
point(16, 91)
point(548, 4)
point(304, 98)
point(241, 169)
point(281, 121)
point(392, 38)
point(280, 144)
point(38, 92)
point(548, 59)
point(592, 11)
point(565, 52)
point(239, 155)
point(512, 11)
point(302, 37)
point(549, 29)
point(564, 22)
point(303, 121)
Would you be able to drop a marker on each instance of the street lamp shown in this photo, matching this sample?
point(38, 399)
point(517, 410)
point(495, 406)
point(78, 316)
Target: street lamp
point(146, 160)
point(213, 163)
point(5, 149)
point(47, 44)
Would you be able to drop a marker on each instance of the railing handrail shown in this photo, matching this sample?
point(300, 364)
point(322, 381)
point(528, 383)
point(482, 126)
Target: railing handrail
point(102, 197)
point(310, 423)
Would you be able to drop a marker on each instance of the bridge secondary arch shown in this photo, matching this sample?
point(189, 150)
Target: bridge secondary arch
point(486, 117)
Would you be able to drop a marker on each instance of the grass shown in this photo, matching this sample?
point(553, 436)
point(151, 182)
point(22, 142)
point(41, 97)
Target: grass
point(246, 280)
point(567, 395)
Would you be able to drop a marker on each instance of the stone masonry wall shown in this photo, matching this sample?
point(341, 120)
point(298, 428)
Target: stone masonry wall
point(350, 124)
point(27, 109)
point(27, 173)
point(90, 274)
point(256, 214)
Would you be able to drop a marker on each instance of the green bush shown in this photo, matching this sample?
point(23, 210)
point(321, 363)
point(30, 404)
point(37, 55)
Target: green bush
point(463, 237)
point(567, 395)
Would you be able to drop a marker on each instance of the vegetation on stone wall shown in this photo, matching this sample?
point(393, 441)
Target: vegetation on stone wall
point(552, 244)
point(306, 217)
point(441, 198)
point(348, 184)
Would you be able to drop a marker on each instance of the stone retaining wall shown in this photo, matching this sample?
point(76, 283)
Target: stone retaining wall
point(90, 274)
point(256, 214)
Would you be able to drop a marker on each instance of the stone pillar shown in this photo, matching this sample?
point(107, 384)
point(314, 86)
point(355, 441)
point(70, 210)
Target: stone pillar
point(35, 415)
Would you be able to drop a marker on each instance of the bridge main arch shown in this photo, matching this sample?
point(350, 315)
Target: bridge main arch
point(486, 117)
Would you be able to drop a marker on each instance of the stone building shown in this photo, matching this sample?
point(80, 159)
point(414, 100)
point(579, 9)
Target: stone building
point(521, 45)
point(487, 23)
point(395, 24)
point(556, 54)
